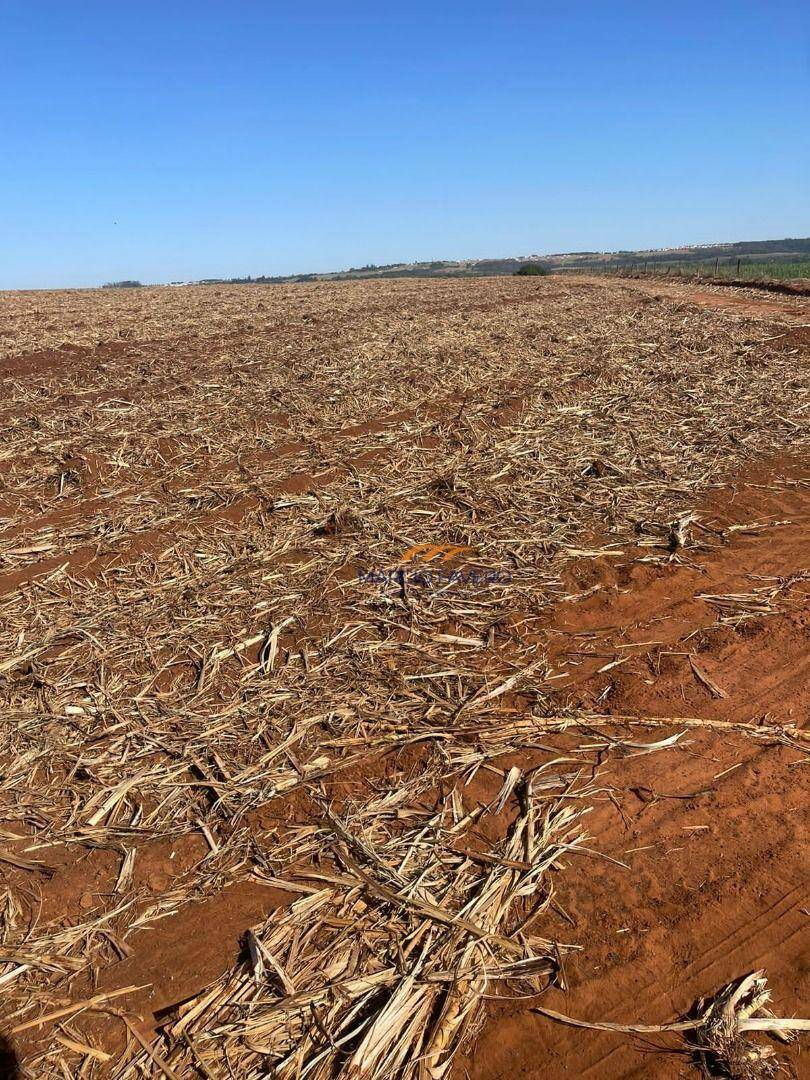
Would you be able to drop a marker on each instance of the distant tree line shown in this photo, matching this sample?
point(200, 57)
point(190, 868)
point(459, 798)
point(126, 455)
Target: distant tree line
point(774, 251)
point(128, 284)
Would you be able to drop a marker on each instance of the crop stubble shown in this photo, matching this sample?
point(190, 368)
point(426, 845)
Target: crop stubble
point(190, 481)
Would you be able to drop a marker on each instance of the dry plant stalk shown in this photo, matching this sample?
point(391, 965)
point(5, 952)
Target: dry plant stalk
point(716, 1032)
point(380, 968)
point(190, 481)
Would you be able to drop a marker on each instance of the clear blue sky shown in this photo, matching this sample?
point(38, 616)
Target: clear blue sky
point(176, 139)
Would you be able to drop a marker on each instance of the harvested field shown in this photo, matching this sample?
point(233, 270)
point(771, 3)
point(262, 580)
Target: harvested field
point(386, 662)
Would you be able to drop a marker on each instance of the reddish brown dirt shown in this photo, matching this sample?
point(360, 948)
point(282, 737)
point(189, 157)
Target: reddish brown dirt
point(714, 832)
point(715, 880)
point(716, 888)
point(661, 634)
point(741, 301)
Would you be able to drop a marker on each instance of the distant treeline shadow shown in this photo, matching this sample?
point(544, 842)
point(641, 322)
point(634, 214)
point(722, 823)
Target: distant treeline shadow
point(9, 1066)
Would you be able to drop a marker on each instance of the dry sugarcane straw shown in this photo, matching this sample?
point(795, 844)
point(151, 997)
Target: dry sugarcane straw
point(717, 1032)
point(186, 638)
point(394, 954)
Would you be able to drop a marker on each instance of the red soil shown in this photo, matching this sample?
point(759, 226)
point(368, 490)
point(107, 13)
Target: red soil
point(714, 832)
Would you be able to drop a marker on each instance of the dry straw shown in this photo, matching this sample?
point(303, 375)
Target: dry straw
point(187, 653)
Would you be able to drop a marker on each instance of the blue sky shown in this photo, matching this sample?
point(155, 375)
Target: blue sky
point(179, 140)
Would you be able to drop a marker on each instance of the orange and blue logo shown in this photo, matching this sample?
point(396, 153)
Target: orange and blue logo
point(437, 566)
